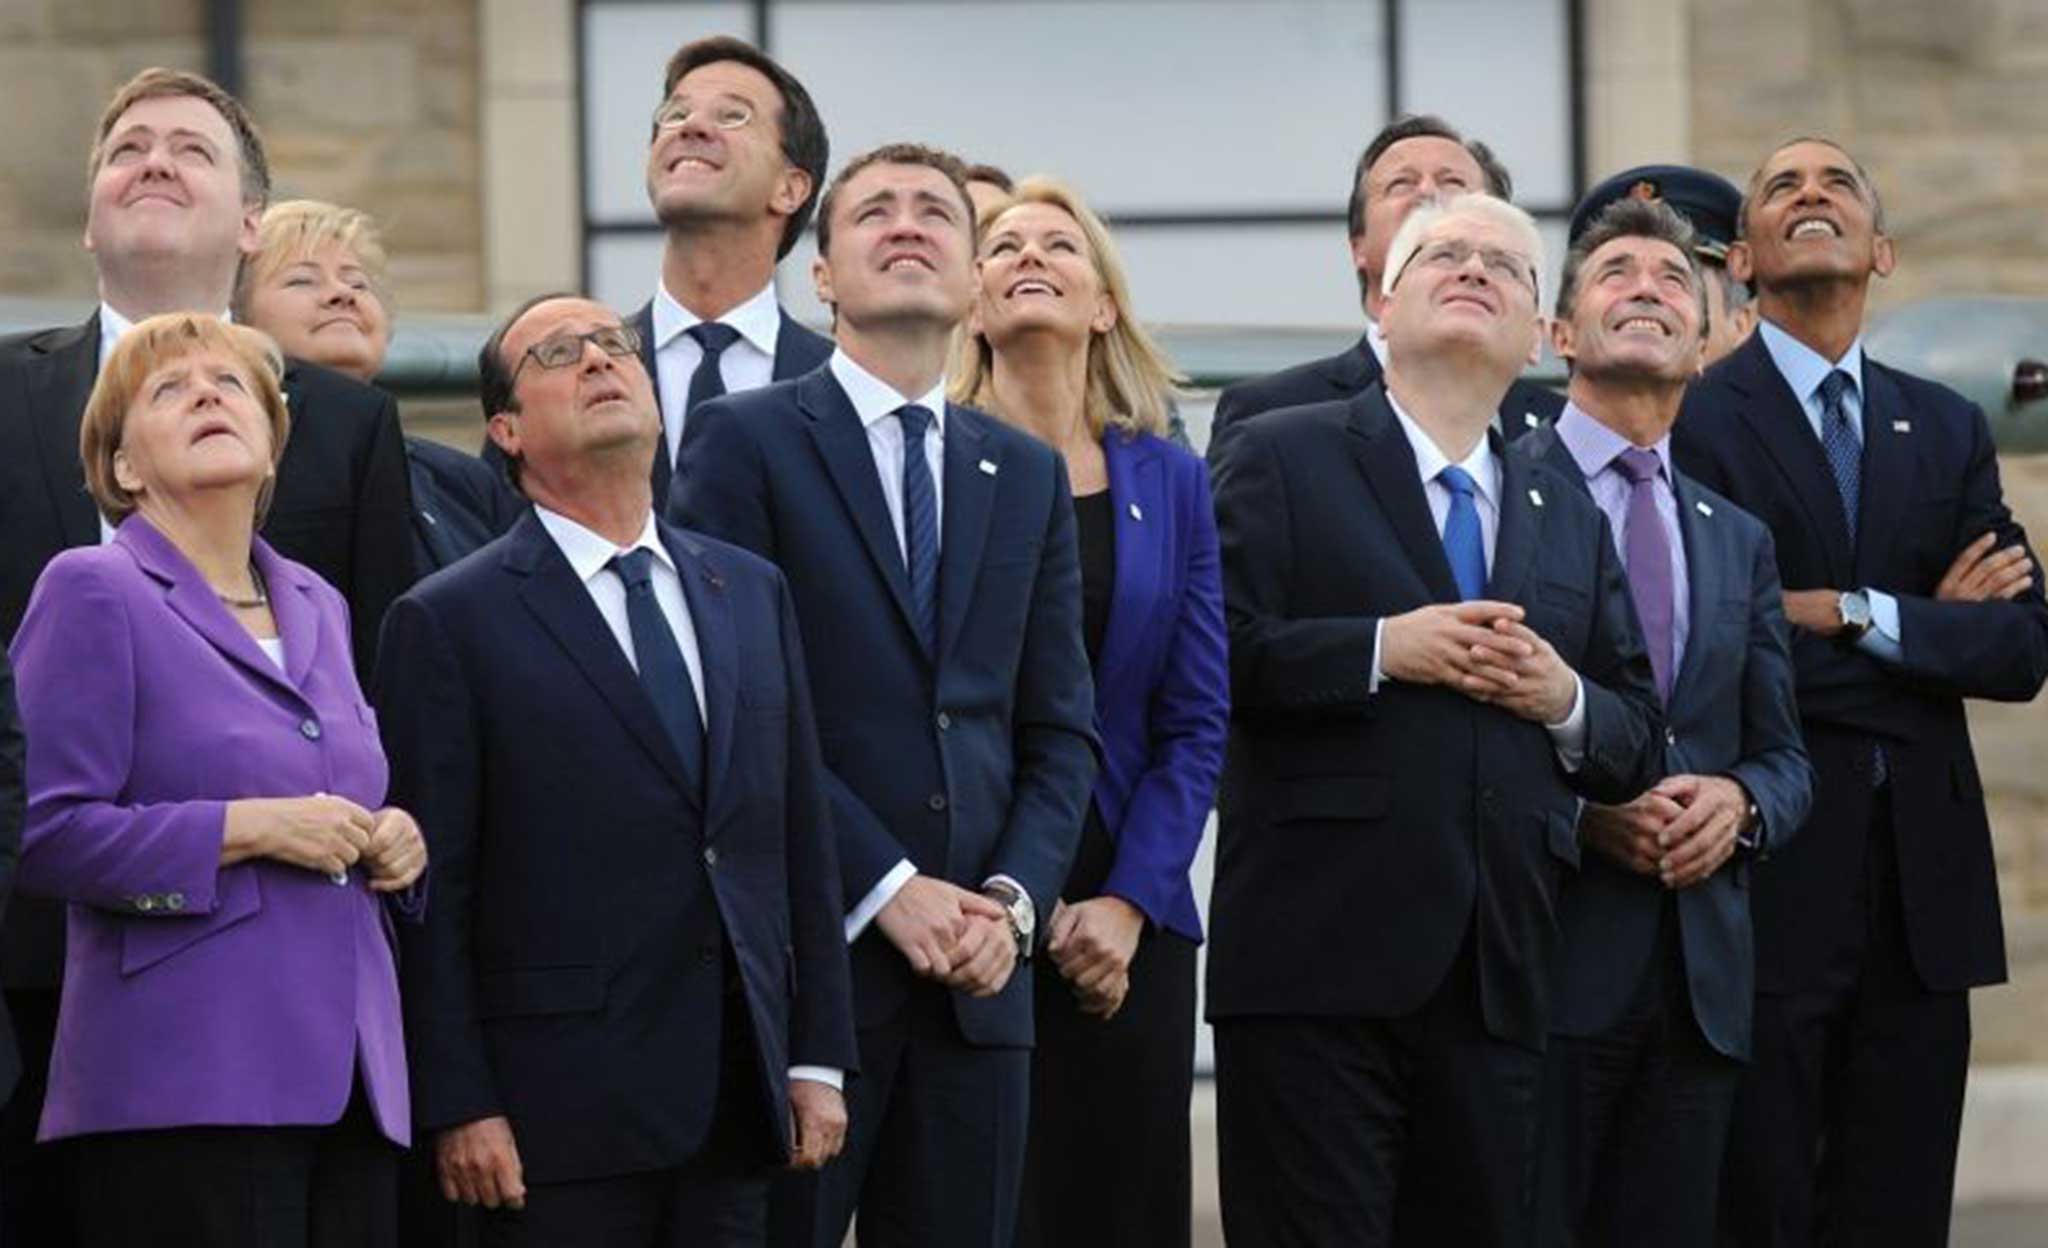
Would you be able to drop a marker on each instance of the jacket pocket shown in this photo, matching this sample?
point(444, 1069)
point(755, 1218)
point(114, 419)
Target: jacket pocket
point(148, 941)
point(528, 990)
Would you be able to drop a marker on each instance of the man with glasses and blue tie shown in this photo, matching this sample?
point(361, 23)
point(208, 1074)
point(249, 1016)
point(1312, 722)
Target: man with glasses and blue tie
point(1433, 658)
point(630, 1003)
point(1909, 587)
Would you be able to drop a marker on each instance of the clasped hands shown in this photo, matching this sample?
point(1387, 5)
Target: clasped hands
point(1091, 946)
point(1681, 831)
point(961, 939)
point(1483, 650)
point(329, 835)
point(1977, 574)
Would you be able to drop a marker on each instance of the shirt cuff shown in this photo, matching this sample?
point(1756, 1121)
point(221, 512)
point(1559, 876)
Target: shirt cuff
point(1569, 737)
point(880, 895)
point(1882, 640)
point(1372, 681)
point(830, 1076)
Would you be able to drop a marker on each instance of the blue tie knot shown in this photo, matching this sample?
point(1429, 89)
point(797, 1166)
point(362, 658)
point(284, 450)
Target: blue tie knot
point(635, 567)
point(916, 419)
point(1832, 388)
point(712, 336)
point(1458, 481)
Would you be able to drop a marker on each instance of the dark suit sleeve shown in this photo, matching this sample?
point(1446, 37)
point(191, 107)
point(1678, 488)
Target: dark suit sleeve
point(821, 1011)
point(12, 794)
point(381, 563)
point(1052, 721)
point(1278, 663)
point(429, 722)
point(1624, 722)
point(1230, 408)
point(1993, 650)
point(1189, 719)
point(1774, 767)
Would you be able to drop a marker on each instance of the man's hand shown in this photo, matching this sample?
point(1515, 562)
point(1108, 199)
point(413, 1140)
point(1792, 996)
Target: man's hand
point(1092, 945)
point(1434, 645)
point(1981, 574)
point(1702, 837)
point(1815, 610)
point(396, 854)
point(1515, 669)
point(479, 1165)
point(927, 919)
point(817, 1123)
point(1629, 834)
point(985, 956)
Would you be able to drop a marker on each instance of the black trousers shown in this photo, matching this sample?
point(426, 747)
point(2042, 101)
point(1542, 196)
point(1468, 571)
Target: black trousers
point(35, 1179)
point(240, 1187)
point(1109, 1160)
point(1845, 1130)
point(1416, 1131)
point(1636, 1120)
point(934, 1152)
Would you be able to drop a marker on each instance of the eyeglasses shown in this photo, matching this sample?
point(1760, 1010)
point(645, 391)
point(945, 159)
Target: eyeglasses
point(726, 114)
point(563, 349)
point(1453, 254)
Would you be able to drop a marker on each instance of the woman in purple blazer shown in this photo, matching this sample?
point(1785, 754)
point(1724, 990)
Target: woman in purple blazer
point(204, 782)
point(1051, 349)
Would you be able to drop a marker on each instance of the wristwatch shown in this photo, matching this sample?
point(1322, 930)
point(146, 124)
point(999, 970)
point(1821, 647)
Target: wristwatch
point(1854, 608)
point(1023, 915)
point(1750, 836)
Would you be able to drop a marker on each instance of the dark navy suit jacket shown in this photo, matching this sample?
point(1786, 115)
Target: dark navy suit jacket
point(1368, 837)
point(972, 762)
point(1732, 712)
point(1929, 487)
point(1162, 681)
point(12, 797)
point(586, 896)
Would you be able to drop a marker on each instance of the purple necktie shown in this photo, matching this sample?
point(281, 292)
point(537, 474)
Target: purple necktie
point(1647, 553)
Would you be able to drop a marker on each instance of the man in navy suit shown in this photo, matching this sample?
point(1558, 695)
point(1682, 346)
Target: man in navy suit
point(630, 1002)
point(1909, 587)
point(1412, 160)
point(932, 553)
point(1433, 658)
point(12, 797)
point(1650, 1026)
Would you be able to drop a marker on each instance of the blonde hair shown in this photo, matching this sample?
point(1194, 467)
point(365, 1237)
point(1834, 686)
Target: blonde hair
point(1472, 207)
point(1130, 379)
point(151, 345)
point(296, 228)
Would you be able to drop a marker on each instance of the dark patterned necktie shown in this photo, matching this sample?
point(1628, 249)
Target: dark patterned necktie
point(1844, 449)
point(920, 525)
point(663, 673)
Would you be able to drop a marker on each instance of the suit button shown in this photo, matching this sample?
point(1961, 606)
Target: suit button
point(936, 801)
point(309, 729)
point(945, 721)
point(707, 954)
point(145, 903)
point(1670, 737)
point(174, 901)
point(711, 855)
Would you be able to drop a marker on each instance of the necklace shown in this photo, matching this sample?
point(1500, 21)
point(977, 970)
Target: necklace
point(262, 598)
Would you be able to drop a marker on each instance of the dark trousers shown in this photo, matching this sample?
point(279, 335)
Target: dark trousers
point(1416, 1131)
point(1109, 1160)
point(934, 1150)
point(1845, 1129)
point(1636, 1121)
point(240, 1187)
point(35, 1179)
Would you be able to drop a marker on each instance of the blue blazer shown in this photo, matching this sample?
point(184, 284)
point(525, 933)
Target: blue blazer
point(587, 896)
point(1162, 681)
point(971, 762)
point(1732, 712)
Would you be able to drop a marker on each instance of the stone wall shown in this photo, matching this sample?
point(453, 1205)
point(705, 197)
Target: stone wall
point(372, 103)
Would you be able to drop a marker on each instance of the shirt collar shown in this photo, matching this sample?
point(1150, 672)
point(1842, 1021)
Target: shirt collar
point(114, 327)
point(1430, 460)
point(587, 551)
point(873, 399)
point(1378, 342)
point(1593, 445)
point(1804, 368)
point(758, 320)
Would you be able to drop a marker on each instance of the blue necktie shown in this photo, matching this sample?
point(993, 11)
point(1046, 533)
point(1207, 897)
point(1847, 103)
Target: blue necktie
point(1463, 545)
point(1844, 448)
point(920, 525)
point(662, 671)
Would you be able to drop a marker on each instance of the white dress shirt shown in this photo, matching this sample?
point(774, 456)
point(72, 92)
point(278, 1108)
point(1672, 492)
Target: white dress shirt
point(1483, 466)
point(1804, 369)
point(748, 364)
point(590, 555)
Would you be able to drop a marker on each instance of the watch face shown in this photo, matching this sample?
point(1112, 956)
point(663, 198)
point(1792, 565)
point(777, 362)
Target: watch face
point(1855, 610)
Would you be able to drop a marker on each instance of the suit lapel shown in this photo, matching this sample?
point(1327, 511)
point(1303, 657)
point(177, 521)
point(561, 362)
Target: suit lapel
point(1887, 471)
point(1137, 499)
point(843, 444)
point(292, 606)
point(797, 350)
point(1778, 420)
point(718, 653)
point(662, 470)
point(1521, 523)
point(970, 496)
point(1354, 370)
point(194, 601)
point(59, 380)
point(1388, 462)
point(1706, 565)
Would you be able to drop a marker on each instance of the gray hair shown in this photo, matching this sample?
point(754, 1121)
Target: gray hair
point(1472, 207)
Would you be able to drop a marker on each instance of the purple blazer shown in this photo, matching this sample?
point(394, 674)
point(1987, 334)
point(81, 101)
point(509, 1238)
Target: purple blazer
point(196, 994)
point(1162, 682)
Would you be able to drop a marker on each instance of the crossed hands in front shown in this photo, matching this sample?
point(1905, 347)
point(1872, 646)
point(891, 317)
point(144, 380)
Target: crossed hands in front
point(961, 939)
point(1482, 650)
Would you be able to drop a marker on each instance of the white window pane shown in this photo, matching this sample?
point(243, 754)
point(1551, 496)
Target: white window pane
point(1497, 70)
point(625, 49)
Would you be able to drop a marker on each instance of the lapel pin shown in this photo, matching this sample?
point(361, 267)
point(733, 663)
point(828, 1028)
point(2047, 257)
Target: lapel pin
point(713, 579)
point(1702, 507)
point(988, 466)
point(1535, 498)
point(1137, 513)
point(1532, 420)
point(1902, 426)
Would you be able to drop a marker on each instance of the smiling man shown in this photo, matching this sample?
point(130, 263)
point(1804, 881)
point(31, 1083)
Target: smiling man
point(937, 577)
point(1651, 1020)
point(1909, 587)
point(1433, 658)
